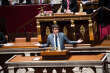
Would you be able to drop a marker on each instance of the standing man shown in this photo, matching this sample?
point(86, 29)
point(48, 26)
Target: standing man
point(57, 39)
point(69, 6)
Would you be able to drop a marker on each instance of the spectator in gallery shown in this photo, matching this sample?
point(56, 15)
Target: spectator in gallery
point(57, 39)
point(69, 6)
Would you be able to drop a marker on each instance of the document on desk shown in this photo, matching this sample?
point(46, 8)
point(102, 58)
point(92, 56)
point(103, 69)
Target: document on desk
point(37, 44)
point(36, 59)
point(9, 44)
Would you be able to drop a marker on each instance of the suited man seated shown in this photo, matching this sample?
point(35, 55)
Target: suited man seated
point(2, 38)
point(69, 6)
point(57, 39)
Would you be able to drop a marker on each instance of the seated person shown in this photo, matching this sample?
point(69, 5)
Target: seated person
point(69, 6)
point(2, 38)
point(57, 39)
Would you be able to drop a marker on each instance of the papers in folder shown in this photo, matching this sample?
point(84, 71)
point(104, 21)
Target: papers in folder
point(36, 58)
point(37, 44)
point(9, 44)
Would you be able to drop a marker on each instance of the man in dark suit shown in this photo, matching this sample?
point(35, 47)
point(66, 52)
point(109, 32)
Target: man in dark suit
point(70, 5)
point(57, 39)
point(2, 38)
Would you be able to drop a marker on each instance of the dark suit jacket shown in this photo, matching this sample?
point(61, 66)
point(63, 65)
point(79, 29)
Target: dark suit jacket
point(73, 5)
point(2, 38)
point(62, 39)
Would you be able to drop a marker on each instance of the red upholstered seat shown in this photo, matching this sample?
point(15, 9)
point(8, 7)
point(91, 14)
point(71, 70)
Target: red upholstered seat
point(104, 31)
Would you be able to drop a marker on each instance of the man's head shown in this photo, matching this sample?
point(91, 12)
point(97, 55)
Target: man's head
point(55, 29)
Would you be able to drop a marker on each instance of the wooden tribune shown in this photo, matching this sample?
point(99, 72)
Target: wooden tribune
point(64, 17)
point(54, 55)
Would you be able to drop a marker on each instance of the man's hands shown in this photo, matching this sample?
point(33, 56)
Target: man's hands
point(79, 41)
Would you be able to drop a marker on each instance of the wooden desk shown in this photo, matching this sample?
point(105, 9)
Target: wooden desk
point(63, 17)
point(29, 47)
point(22, 47)
point(93, 60)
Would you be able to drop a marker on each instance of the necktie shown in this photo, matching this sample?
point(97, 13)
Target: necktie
point(56, 41)
point(68, 3)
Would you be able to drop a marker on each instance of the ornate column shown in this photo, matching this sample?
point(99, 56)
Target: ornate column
point(91, 35)
point(72, 23)
point(55, 22)
point(73, 26)
point(38, 31)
